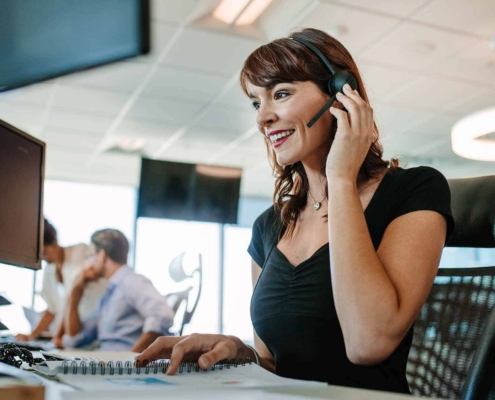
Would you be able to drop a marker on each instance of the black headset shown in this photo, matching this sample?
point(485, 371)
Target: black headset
point(335, 83)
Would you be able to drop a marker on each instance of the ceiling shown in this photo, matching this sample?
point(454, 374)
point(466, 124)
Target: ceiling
point(426, 64)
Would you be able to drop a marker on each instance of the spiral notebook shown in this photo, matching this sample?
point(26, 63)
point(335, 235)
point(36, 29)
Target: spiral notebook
point(101, 375)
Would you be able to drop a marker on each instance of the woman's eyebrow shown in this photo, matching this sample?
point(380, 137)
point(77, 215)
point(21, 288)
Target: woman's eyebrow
point(251, 95)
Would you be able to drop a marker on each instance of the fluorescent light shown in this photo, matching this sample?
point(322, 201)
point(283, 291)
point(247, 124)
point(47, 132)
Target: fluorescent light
point(131, 144)
point(252, 12)
point(465, 134)
point(228, 10)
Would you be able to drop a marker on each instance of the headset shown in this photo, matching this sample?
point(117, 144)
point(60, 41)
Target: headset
point(335, 83)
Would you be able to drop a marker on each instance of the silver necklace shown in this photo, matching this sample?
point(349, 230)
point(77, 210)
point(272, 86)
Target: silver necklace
point(317, 204)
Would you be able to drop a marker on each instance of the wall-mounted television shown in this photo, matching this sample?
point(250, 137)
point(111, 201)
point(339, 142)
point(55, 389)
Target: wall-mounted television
point(191, 192)
point(49, 38)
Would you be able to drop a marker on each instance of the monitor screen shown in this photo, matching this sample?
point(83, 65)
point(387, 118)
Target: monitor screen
point(22, 160)
point(50, 38)
point(190, 192)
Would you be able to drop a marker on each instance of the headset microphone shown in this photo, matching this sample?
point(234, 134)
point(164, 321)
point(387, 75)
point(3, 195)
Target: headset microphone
point(335, 83)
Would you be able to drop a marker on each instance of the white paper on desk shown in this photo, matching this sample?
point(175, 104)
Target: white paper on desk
point(189, 394)
point(248, 376)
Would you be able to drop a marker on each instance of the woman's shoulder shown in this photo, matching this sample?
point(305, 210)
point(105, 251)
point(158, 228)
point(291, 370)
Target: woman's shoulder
point(268, 216)
point(412, 178)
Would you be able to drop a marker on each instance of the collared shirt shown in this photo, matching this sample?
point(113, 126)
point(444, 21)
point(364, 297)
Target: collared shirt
point(55, 293)
point(129, 307)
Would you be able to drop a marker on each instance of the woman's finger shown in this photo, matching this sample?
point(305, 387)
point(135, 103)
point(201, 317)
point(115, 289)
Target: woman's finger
point(221, 351)
point(159, 349)
point(354, 95)
point(342, 117)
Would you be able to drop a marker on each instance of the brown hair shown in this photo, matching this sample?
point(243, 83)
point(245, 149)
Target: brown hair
point(113, 242)
point(285, 60)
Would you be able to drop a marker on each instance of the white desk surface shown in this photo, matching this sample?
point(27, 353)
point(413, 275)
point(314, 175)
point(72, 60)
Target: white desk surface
point(55, 390)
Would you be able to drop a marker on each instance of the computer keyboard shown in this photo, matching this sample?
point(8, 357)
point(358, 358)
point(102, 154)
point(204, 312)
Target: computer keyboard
point(32, 345)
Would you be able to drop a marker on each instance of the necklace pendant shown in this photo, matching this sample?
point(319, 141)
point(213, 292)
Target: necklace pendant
point(317, 206)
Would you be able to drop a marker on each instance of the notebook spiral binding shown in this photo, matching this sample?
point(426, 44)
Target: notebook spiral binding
point(136, 367)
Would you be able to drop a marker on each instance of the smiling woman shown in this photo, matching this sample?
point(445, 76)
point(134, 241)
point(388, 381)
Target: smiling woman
point(337, 282)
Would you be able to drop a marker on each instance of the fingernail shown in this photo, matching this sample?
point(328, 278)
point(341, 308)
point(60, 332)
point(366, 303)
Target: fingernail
point(339, 94)
point(347, 86)
point(204, 363)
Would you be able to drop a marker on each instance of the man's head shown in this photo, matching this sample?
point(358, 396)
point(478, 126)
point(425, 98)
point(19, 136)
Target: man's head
point(50, 244)
point(110, 248)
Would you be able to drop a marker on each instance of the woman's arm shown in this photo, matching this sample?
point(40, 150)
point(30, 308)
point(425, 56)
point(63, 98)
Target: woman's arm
point(266, 358)
point(378, 294)
point(43, 324)
point(204, 348)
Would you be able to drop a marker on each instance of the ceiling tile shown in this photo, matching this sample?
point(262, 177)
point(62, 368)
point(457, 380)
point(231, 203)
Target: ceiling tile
point(436, 127)
point(70, 140)
point(121, 77)
point(172, 11)
point(467, 104)
point(417, 46)
point(473, 16)
point(228, 119)
point(146, 129)
point(476, 64)
point(162, 109)
point(177, 83)
point(79, 121)
point(380, 80)
point(37, 94)
point(204, 50)
point(214, 134)
point(392, 7)
point(235, 98)
point(393, 120)
point(428, 92)
point(160, 38)
point(23, 116)
point(331, 17)
point(89, 100)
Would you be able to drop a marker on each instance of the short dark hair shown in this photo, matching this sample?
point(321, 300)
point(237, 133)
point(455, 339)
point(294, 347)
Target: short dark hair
point(49, 234)
point(113, 242)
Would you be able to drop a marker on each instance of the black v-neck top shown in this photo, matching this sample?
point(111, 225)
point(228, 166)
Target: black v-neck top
point(292, 308)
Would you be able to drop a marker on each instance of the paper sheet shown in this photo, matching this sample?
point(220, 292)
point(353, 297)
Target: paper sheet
point(248, 376)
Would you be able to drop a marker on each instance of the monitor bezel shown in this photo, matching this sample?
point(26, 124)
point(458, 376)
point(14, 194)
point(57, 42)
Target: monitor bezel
point(19, 261)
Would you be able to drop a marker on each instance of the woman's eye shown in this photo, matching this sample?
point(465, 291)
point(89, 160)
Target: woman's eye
point(281, 95)
point(256, 105)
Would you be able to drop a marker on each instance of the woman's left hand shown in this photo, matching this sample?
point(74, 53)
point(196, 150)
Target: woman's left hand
point(353, 137)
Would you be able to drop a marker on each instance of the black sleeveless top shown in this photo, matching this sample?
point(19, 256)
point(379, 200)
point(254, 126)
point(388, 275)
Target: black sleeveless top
point(293, 311)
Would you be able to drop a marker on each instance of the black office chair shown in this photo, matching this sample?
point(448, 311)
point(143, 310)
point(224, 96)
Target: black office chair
point(454, 327)
point(176, 299)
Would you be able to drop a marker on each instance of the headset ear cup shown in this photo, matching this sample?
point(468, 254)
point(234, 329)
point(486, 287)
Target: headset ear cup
point(340, 79)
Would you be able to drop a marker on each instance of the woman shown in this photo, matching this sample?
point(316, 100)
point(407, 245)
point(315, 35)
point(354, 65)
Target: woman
point(344, 260)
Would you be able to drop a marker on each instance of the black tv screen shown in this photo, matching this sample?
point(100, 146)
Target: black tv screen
point(22, 160)
point(43, 39)
point(190, 192)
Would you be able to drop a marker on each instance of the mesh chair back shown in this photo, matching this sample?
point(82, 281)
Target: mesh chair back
point(447, 331)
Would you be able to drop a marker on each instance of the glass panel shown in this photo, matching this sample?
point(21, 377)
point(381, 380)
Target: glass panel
point(237, 284)
point(159, 241)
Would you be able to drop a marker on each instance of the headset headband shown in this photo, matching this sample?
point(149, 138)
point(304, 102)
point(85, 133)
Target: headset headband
point(317, 52)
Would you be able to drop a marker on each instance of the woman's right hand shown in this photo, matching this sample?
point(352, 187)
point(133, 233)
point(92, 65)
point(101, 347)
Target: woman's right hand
point(204, 348)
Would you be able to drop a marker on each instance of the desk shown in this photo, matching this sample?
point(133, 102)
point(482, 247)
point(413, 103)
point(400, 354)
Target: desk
point(55, 390)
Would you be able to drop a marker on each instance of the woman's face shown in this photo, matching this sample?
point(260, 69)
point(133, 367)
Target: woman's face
point(283, 114)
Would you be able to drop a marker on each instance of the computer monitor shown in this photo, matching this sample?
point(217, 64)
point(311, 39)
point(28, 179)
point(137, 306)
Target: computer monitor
point(22, 160)
point(50, 38)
